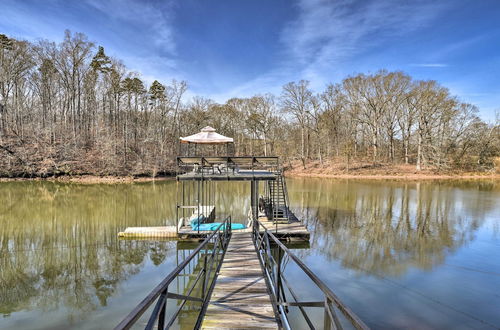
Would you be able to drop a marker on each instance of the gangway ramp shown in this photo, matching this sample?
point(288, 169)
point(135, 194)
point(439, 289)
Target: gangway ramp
point(240, 299)
point(239, 283)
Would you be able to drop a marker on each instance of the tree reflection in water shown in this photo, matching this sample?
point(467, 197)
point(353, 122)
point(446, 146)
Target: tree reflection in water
point(388, 228)
point(59, 250)
point(58, 244)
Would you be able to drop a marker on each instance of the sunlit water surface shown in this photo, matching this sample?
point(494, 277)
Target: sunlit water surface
point(400, 254)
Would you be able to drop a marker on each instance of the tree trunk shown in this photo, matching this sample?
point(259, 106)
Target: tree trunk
point(405, 143)
point(302, 156)
point(419, 151)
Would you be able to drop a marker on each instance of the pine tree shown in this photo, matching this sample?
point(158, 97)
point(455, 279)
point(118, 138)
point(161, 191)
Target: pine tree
point(101, 62)
point(5, 42)
point(157, 91)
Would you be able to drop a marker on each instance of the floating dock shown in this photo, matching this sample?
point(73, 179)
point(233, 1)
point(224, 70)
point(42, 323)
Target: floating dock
point(283, 231)
point(149, 232)
point(240, 299)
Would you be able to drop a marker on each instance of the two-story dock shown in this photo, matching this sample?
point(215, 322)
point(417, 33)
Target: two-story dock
point(239, 279)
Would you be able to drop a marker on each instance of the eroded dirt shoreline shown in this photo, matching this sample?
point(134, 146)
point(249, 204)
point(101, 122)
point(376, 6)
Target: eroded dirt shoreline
point(380, 171)
point(89, 179)
point(334, 170)
point(412, 177)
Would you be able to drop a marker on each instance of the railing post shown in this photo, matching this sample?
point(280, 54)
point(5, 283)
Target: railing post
point(204, 283)
point(278, 274)
point(327, 320)
point(254, 237)
point(161, 316)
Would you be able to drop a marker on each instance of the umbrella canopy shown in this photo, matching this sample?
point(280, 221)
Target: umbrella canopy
point(207, 136)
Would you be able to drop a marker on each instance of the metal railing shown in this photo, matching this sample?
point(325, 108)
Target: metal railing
point(226, 165)
point(274, 273)
point(210, 254)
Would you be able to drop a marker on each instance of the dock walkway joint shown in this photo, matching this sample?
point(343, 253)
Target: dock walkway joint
point(240, 298)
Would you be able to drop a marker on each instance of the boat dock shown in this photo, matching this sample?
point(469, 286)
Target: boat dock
point(196, 198)
point(237, 272)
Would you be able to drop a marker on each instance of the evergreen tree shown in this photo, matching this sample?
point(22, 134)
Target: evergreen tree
point(5, 42)
point(101, 62)
point(157, 91)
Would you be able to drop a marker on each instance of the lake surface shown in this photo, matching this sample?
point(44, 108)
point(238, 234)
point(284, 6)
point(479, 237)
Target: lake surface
point(400, 254)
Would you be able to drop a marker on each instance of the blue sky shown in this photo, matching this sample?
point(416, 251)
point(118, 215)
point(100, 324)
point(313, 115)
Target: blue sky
point(239, 48)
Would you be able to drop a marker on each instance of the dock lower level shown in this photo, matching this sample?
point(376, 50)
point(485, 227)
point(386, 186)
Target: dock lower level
point(240, 299)
point(283, 231)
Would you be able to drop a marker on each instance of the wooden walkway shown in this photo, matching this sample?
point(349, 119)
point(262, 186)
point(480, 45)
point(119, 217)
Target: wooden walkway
point(240, 299)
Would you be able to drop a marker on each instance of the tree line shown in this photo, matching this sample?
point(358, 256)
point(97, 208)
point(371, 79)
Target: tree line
point(68, 108)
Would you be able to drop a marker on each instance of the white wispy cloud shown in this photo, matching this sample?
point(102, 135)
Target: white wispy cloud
point(153, 52)
point(326, 34)
point(140, 33)
point(430, 65)
point(155, 19)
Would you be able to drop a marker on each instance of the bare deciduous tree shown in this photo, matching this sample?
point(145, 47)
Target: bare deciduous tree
point(69, 108)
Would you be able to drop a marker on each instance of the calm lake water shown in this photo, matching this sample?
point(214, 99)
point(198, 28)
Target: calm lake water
point(400, 254)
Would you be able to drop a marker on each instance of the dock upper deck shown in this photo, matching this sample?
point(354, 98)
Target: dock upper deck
point(228, 176)
point(227, 168)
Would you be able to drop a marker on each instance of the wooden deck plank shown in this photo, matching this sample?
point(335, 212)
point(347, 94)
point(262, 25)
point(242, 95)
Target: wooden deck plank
point(240, 299)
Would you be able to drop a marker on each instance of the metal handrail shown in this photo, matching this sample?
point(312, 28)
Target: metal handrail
point(273, 271)
point(285, 193)
point(202, 163)
point(220, 239)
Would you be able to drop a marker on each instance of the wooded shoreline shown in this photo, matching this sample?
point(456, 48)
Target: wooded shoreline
point(70, 109)
point(313, 171)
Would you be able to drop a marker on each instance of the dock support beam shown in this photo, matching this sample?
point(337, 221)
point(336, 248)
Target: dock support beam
point(254, 199)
